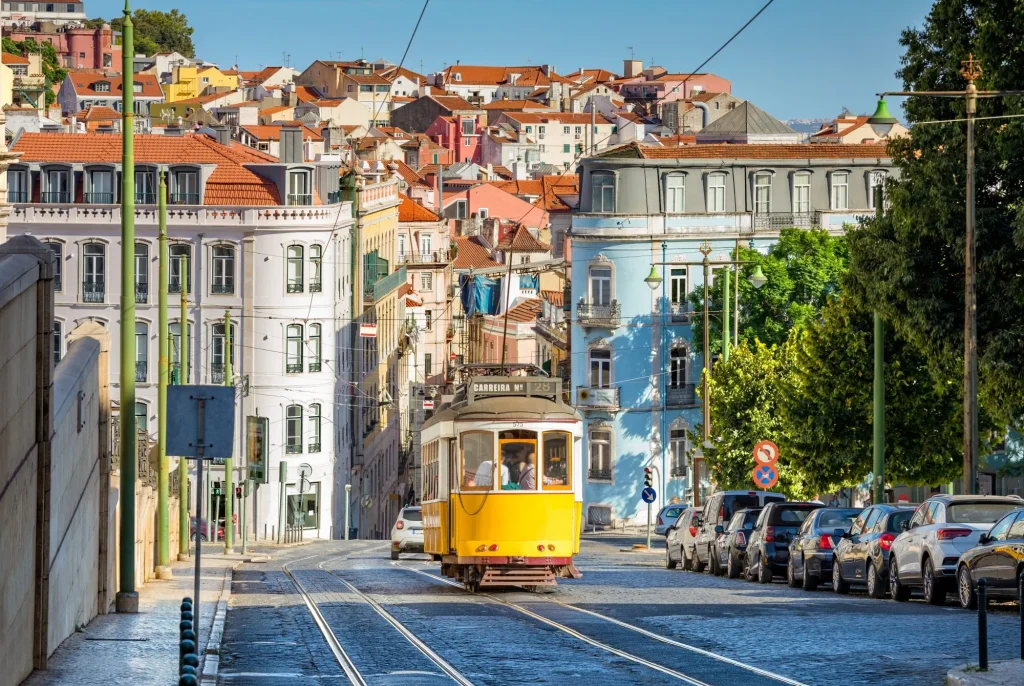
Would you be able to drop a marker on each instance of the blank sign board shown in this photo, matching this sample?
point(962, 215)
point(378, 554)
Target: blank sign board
point(183, 421)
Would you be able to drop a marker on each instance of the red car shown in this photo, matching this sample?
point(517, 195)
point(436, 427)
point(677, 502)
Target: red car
point(206, 530)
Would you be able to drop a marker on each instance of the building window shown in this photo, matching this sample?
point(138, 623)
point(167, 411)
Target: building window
point(762, 193)
point(600, 455)
point(579, 131)
point(293, 351)
point(218, 361)
point(460, 209)
point(602, 186)
point(58, 186)
point(298, 188)
point(108, 60)
point(565, 130)
point(469, 126)
point(426, 281)
point(677, 452)
point(93, 272)
point(141, 418)
point(141, 273)
point(101, 87)
point(566, 148)
point(600, 368)
point(136, 87)
point(840, 190)
point(316, 253)
point(293, 430)
point(180, 264)
point(17, 185)
point(58, 264)
point(429, 318)
point(601, 286)
point(179, 348)
point(304, 507)
point(315, 348)
point(802, 192)
point(141, 352)
point(101, 187)
point(675, 196)
point(294, 268)
point(145, 188)
point(58, 339)
point(677, 285)
point(428, 359)
point(876, 179)
point(677, 367)
point(425, 244)
point(716, 193)
point(186, 188)
point(223, 270)
point(314, 428)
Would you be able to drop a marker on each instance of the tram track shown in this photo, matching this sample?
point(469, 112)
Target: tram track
point(778, 678)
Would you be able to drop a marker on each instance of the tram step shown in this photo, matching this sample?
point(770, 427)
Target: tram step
point(518, 576)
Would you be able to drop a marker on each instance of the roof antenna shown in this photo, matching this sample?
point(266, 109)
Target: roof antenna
point(631, 55)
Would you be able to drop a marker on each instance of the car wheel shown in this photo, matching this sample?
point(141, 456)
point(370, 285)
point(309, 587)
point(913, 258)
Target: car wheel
point(713, 565)
point(810, 580)
point(934, 591)
point(732, 569)
point(876, 583)
point(394, 554)
point(839, 585)
point(965, 589)
point(669, 562)
point(764, 571)
point(791, 575)
point(698, 566)
point(898, 591)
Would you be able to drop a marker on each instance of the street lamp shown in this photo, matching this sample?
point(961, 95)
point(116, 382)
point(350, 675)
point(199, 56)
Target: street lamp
point(971, 70)
point(653, 279)
point(881, 122)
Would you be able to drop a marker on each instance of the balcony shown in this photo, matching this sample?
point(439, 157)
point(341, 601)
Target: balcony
point(300, 199)
point(58, 284)
point(776, 221)
point(590, 315)
point(142, 198)
point(174, 286)
point(314, 366)
point(17, 196)
point(184, 199)
point(679, 313)
point(682, 396)
point(97, 198)
point(315, 287)
point(313, 448)
point(93, 292)
point(293, 448)
point(141, 370)
point(141, 292)
point(435, 257)
point(599, 475)
point(294, 368)
point(294, 286)
point(222, 289)
point(217, 373)
point(597, 398)
point(55, 197)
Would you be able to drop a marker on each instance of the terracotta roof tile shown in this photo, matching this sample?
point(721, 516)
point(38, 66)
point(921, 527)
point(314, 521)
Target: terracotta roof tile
point(556, 298)
point(11, 58)
point(410, 175)
point(277, 109)
point(764, 151)
point(84, 84)
point(555, 118)
point(453, 102)
point(369, 79)
point(513, 105)
point(526, 311)
point(273, 132)
point(532, 187)
point(471, 254)
point(411, 211)
point(99, 113)
point(521, 240)
point(306, 94)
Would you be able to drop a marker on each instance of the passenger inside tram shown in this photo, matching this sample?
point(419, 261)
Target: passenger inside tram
point(556, 462)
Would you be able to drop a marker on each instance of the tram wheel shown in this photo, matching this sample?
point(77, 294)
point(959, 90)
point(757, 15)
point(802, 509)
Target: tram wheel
point(473, 586)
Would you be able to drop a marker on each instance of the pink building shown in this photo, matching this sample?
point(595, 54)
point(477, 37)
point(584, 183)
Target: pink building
point(80, 48)
point(485, 200)
point(459, 133)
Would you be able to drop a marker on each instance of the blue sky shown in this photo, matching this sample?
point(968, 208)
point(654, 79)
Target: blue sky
point(801, 58)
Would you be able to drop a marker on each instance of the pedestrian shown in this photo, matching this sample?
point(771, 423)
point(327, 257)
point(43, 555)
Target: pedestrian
point(833, 501)
point(527, 472)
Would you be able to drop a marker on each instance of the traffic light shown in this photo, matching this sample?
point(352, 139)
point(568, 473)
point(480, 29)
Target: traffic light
point(648, 481)
point(216, 488)
point(238, 492)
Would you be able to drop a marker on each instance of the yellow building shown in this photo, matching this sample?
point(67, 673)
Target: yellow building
point(191, 82)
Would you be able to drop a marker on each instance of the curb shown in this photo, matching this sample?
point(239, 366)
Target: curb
point(211, 657)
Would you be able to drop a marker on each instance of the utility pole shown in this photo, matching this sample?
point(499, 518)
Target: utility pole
point(725, 314)
point(183, 524)
point(127, 599)
point(229, 463)
point(971, 71)
point(878, 420)
point(163, 508)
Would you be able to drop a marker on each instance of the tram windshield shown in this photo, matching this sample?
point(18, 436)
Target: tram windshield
point(557, 448)
point(526, 460)
point(518, 448)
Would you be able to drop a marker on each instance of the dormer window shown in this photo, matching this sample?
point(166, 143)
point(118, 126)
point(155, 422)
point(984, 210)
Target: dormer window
point(136, 87)
point(101, 187)
point(186, 188)
point(145, 188)
point(102, 87)
point(58, 186)
point(299, 189)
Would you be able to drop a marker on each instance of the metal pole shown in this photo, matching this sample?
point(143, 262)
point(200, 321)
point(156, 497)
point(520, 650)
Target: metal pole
point(508, 296)
point(982, 625)
point(725, 314)
point(970, 314)
point(663, 431)
point(348, 512)
point(163, 512)
point(736, 293)
point(705, 401)
point(878, 419)
point(648, 526)
point(127, 599)
point(183, 523)
point(1020, 605)
point(200, 440)
point(229, 463)
point(282, 480)
point(244, 522)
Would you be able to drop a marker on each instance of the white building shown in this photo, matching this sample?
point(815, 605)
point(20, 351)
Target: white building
point(28, 13)
point(555, 138)
point(266, 241)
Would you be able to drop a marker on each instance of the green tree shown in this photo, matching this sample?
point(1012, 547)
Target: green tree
point(910, 265)
point(156, 31)
point(827, 406)
point(52, 69)
point(803, 269)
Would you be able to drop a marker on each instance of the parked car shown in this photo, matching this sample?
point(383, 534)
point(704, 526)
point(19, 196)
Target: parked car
point(732, 545)
point(407, 533)
point(811, 549)
point(767, 553)
point(718, 510)
point(862, 556)
point(667, 517)
point(206, 530)
point(680, 538)
point(998, 559)
point(943, 528)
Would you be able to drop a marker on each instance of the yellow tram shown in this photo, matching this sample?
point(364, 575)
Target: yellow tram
point(502, 483)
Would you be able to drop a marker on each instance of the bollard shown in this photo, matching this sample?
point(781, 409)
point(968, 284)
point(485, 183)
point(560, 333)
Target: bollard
point(189, 636)
point(189, 669)
point(982, 625)
point(186, 606)
point(186, 599)
point(191, 662)
point(187, 616)
point(185, 648)
point(188, 680)
point(184, 625)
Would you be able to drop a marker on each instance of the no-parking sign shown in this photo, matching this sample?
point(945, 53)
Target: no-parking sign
point(766, 475)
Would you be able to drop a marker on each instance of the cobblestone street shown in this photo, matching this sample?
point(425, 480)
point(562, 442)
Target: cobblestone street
point(718, 631)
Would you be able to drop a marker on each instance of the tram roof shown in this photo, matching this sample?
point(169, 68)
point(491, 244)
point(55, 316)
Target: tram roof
point(507, 407)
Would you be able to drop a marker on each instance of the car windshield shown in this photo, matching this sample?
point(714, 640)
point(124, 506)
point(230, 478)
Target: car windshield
point(978, 512)
point(672, 512)
point(412, 515)
point(790, 516)
point(732, 503)
point(837, 519)
point(896, 520)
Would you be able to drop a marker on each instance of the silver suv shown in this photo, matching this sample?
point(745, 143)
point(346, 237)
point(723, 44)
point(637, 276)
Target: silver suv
point(941, 530)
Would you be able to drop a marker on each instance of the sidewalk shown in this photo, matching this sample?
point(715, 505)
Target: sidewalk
point(1000, 673)
point(143, 648)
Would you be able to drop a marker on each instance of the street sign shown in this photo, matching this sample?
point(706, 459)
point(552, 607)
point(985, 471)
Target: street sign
point(256, 430)
point(216, 429)
point(428, 404)
point(766, 452)
point(766, 475)
point(648, 495)
point(368, 330)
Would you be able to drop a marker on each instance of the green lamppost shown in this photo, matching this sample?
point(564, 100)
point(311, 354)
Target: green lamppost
point(163, 513)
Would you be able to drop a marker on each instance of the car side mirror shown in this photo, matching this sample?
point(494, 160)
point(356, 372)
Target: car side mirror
point(719, 529)
point(841, 533)
point(984, 539)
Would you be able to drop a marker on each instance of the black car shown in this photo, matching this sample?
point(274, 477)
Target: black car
point(998, 559)
point(732, 545)
point(810, 551)
point(718, 511)
point(768, 547)
point(862, 557)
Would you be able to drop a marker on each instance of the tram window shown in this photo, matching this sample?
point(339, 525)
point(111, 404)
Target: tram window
point(478, 460)
point(518, 459)
point(557, 454)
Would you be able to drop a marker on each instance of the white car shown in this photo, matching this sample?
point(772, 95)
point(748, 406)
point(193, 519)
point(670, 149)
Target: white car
point(407, 533)
point(680, 537)
point(940, 531)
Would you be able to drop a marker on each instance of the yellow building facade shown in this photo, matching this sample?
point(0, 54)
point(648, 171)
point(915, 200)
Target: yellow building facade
point(191, 82)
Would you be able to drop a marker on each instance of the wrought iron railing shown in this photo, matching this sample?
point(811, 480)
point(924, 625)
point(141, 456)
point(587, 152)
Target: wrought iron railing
point(184, 199)
point(314, 366)
point(141, 370)
point(294, 286)
point(222, 288)
point(61, 197)
point(678, 471)
point(99, 198)
point(771, 221)
point(300, 199)
point(294, 368)
point(93, 292)
point(680, 313)
point(590, 314)
point(600, 474)
point(293, 448)
point(685, 395)
point(434, 257)
point(58, 284)
point(17, 196)
point(141, 292)
point(313, 448)
point(217, 373)
point(174, 286)
point(143, 198)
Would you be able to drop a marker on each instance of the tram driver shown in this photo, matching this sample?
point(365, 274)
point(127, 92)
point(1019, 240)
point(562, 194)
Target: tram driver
point(485, 475)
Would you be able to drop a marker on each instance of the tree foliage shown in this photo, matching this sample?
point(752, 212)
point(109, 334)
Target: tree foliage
point(156, 31)
point(803, 268)
point(910, 264)
point(52, 69)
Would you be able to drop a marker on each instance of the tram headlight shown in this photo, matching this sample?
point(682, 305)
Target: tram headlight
point(481, 548)
point(551, 546)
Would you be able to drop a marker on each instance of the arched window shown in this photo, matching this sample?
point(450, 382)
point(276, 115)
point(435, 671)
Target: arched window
point(180, 263)
point(762, 192)
point(293, 430)
point(141, 418)
point(223, 270)
point(600, 453)
point(314, 428)
point(94, 268)
point(293, 349)
point(58, 263)
point(602, 186)
point(802, 192)
point(179, 349)
point(875, 178)
point(316, 255)
point(675, 192)
point(218, 361)
point(677, 449)
point(141, 351)
point(294, 260)
point(315, 348)
point(141, 273)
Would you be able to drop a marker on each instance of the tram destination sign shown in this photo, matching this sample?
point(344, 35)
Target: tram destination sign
point(492, 386)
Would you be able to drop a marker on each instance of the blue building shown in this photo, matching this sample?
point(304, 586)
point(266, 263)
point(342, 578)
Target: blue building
point(634, 372)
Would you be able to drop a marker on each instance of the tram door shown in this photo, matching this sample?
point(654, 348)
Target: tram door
point(453, 483)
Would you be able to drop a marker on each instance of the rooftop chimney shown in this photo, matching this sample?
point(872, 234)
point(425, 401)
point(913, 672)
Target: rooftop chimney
point(291, 151)
point(223, 134)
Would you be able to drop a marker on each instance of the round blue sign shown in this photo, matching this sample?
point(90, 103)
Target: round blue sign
point(648, 495)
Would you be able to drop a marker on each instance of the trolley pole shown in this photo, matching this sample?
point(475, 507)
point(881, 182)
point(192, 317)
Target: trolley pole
point(163, 508)
point(229, 463)
point(183, 525)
